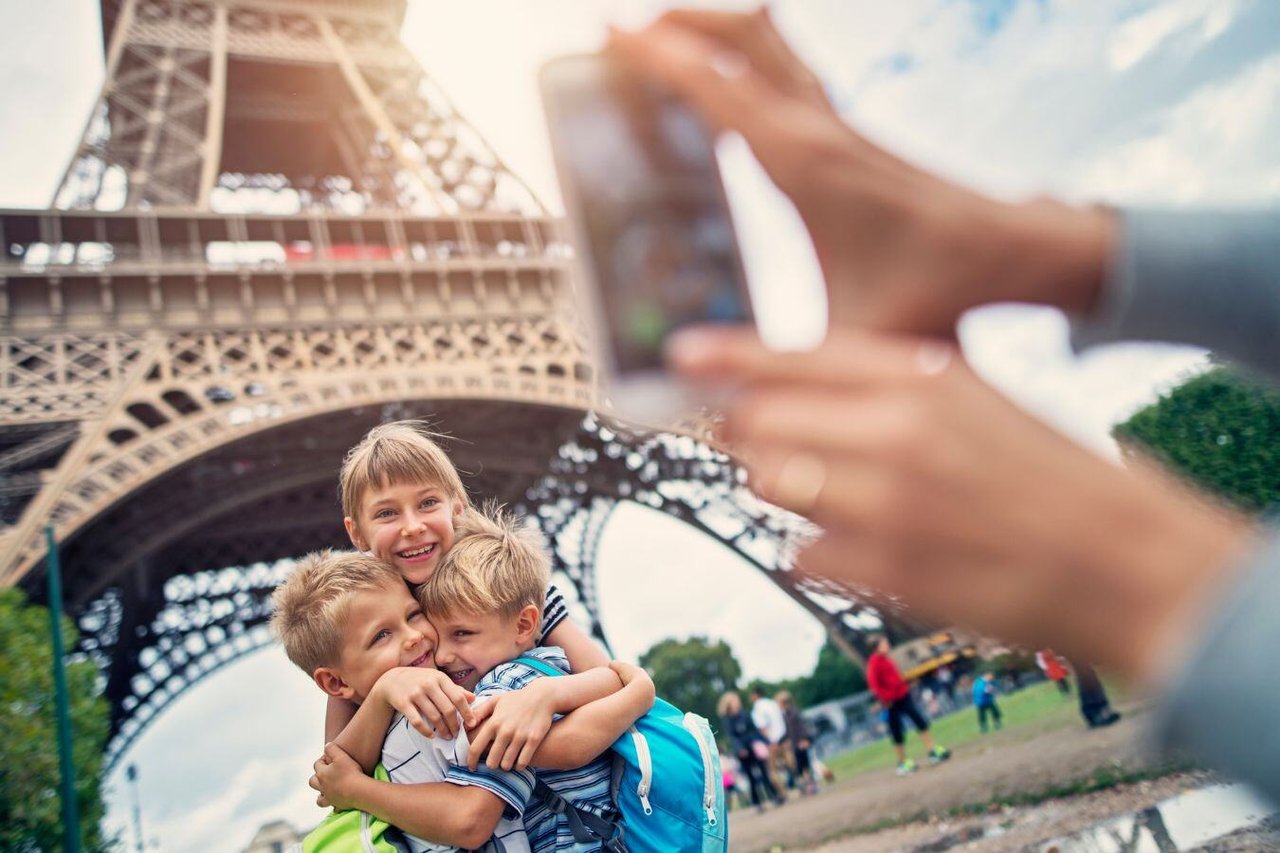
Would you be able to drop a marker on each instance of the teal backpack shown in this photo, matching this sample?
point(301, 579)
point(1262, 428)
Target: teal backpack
point(666, 782)
point(355, 831)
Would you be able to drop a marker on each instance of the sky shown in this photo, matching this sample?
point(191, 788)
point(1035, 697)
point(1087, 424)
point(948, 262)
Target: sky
point(1143, 103)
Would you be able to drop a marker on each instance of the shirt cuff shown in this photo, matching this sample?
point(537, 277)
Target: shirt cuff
point(1207, 278)
point(1218, 703)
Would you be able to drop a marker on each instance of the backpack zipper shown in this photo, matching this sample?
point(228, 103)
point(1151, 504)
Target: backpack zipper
point(708, 784)
point(646, 768)
point(366, 840)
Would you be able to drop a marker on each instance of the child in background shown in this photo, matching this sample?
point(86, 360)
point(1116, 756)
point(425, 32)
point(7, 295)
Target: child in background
point(984, 699)
point(1053, 669)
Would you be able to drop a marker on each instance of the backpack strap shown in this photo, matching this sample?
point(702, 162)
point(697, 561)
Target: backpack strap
point(587, 827)
point(537, 665)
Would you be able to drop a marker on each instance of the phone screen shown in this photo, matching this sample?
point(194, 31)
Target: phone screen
point(642, 182)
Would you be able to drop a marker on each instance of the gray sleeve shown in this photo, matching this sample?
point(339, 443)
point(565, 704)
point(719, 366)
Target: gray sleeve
point(1196, 277)
point(1221, 704)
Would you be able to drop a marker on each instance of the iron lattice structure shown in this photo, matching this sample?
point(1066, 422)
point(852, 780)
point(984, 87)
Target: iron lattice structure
point(275, 233)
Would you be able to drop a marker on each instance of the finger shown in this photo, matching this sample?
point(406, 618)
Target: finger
point(847, 359)
point(525, 758)
point(481, 713)
point(721, 86)
point(497, 752)
point(418, 720)
point(427, 710)
point(756, 38)
point(444, 705)
point(461, 706)
point(480, 741)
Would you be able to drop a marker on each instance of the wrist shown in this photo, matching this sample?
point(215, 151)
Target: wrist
point(355, 792)
point(1054, 253)
point(1170, 551)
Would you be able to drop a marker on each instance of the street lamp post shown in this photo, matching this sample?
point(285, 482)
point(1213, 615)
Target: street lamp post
point(70, 811)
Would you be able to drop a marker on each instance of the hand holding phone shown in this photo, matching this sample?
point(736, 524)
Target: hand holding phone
point(655, 238)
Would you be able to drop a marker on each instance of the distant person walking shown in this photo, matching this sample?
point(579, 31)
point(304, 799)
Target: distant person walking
point(1051, 665)
point(769, 719)
point(894, 693)
point(749, 747)
point(984, 699)
point(799, 740)
point(1094, 705)
point(946, 679)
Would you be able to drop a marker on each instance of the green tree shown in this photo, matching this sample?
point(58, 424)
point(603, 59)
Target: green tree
point(1220, 430)
point(692, 674)
point(30, 805)
point(833, 676)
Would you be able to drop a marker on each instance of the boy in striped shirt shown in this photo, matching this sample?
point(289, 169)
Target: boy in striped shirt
point(486, 599)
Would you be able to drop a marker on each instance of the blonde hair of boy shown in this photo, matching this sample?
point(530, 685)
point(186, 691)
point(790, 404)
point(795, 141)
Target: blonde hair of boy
point(498, 564)
point(398, 452)
point(310, 606)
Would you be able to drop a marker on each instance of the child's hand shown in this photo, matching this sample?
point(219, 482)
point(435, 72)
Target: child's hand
point(335, 775)
point(514, 725)
point(428, 698)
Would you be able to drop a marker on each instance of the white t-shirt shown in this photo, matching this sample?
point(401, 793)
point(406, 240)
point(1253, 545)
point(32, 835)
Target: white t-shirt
point(767, 715)
point(411, 758)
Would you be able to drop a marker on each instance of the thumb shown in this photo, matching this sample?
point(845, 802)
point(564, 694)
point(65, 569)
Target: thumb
point(481, 712)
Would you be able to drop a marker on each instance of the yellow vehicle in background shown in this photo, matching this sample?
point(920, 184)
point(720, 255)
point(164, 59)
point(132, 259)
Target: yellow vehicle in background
point(923, 655)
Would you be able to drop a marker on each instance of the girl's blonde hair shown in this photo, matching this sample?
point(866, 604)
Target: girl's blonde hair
point(398, 452)
point(498, 564)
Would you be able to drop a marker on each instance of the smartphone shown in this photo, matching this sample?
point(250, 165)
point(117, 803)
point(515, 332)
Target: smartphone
point(654, 236)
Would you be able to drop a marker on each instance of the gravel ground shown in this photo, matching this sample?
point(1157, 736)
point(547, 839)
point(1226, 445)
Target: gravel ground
point(844, 816)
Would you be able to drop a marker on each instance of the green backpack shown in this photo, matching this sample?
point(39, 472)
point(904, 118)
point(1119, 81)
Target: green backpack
point(355, 831)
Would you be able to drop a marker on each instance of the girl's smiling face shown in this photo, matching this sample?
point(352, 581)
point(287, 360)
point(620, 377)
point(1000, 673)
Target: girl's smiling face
point(409, 525)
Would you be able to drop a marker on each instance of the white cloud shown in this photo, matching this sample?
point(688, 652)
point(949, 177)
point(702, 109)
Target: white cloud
point(1146, 32)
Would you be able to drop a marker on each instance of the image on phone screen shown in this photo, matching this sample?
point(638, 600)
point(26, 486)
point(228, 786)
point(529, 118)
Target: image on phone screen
point(643, 184)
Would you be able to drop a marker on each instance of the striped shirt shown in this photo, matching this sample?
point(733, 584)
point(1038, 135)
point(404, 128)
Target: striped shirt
point(587, 787)
point(554, 612)
point(409, 757)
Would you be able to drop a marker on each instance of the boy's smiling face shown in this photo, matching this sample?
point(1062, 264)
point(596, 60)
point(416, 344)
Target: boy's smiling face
point(409, 525)
point(384, 628)
point(471, 645)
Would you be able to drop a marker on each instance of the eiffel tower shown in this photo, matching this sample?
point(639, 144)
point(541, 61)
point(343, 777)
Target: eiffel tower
point(275, 233)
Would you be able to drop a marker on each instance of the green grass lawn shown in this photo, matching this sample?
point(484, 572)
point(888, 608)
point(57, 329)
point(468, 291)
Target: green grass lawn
point(1027, 713)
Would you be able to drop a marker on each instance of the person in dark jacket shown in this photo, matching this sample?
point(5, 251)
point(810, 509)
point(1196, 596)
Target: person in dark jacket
point(750, 748)
point(800, 739)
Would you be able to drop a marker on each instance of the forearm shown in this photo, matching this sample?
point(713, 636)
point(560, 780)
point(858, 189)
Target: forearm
point(571, 692)
point(363, 735)
point(434, 811)
point(583, 652)
point(337, 713)
point(585, 733)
